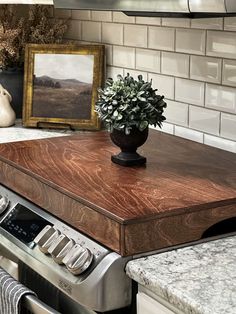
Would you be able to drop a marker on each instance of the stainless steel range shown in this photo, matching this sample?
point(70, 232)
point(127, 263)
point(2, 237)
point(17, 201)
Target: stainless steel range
point(55, 259)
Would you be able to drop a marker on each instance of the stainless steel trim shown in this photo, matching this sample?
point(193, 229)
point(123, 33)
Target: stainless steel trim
point(9, 266)
point(36, 306)
point(180, 6)
point(207, 6)
point(177, 8)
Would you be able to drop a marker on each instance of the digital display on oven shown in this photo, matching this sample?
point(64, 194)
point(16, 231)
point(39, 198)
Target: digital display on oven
point(24, 224)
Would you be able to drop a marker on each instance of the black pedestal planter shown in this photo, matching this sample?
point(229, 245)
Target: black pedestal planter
point(128, 145)
point(12, 80)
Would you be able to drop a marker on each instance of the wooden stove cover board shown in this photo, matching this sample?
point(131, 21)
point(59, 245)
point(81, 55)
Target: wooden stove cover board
point(184, 188)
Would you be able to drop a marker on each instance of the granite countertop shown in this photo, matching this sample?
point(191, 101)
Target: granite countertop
point(199, 279)
point(18, 133)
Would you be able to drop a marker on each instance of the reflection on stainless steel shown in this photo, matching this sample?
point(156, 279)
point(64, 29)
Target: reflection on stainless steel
point(10, 267)
point(4, 202)
point(78, 260)
point(34, 305)
point(60, 248)
point(178, 8)
point(46, 238)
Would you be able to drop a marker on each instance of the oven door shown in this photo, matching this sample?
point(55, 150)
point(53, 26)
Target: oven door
point(49, 301)
point(30, 304)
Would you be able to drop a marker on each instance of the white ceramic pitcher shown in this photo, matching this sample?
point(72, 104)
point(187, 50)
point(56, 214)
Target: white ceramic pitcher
point(7, 114)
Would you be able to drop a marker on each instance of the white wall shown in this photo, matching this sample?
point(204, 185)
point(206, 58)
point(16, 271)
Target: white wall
point(191, 62)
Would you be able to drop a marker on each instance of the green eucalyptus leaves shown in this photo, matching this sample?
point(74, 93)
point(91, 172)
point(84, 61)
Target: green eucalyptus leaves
point(127, 103)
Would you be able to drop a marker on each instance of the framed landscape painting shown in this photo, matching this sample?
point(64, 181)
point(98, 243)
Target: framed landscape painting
point(60, 85)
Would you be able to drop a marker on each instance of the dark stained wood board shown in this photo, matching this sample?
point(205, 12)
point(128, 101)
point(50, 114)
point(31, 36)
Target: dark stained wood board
point(184, 189)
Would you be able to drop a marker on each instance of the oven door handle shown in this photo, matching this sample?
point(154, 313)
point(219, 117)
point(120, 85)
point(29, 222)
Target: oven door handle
point(36, 306)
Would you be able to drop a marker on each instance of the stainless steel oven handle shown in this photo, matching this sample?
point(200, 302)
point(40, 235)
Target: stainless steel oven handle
point(36, 306)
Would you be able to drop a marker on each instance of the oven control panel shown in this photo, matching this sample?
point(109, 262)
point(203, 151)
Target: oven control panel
point(39, 231)
point(64, 250)
point(23, 224)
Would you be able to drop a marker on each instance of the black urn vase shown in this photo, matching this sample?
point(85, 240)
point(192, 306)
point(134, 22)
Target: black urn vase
point(12, 80)
point(128, 145)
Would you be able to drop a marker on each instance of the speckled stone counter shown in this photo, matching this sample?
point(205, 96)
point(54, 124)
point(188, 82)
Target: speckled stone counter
point(19, 133)
point(196, 279)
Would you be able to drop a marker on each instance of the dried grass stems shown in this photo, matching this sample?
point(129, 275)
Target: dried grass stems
point(36, 27)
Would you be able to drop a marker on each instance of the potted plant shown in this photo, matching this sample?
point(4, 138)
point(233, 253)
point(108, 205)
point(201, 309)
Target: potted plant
point(127, 107)
point(36, 26)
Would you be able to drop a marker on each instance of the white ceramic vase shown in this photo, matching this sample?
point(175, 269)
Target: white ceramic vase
point(7, 114)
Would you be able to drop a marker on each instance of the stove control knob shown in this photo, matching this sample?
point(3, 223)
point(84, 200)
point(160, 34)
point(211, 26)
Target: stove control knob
point(60, 247)
point(71, 253)
point(78, 259)
point(46, 237)
point(4, 202)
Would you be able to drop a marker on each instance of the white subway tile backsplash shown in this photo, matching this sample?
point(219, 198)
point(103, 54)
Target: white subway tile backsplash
point(230, 23)
point(124, 57)
point(112, 33)
point(166, 127)
point(229, 72)
point(189, 134)
point(211, 23)
point(108, 54)
point(221, 98)
point(175, 64)
point(148, 60)
point(161, 38)
point(113, 72)
point(148, 20)
point(220, 143)
point(164, 84)
point(74, 30)
point(191, 41)
point(62, 14)
point(136, 73)
point(221, 44)
point(191, 62)
point(205, 69)
point(120, 17)
point(176, 113)
point(228, 126)
point(204, 120)
point(188, 91)
point(81, 15)
point(91, 31)
point(103, 16)
point(140, 38)
point(176, 22)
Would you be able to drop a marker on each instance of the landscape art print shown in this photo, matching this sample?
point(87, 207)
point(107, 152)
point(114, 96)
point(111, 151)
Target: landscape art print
point(61, 85)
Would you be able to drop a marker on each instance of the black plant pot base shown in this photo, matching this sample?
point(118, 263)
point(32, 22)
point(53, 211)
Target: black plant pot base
point(128, 159)
point(128, 145)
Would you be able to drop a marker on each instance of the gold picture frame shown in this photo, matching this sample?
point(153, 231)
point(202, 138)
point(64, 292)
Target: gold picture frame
point(60, 85)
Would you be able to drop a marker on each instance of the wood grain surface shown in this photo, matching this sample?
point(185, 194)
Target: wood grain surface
point(130, 210)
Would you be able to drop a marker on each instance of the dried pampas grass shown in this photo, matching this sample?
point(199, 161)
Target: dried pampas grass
point(37, 27)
